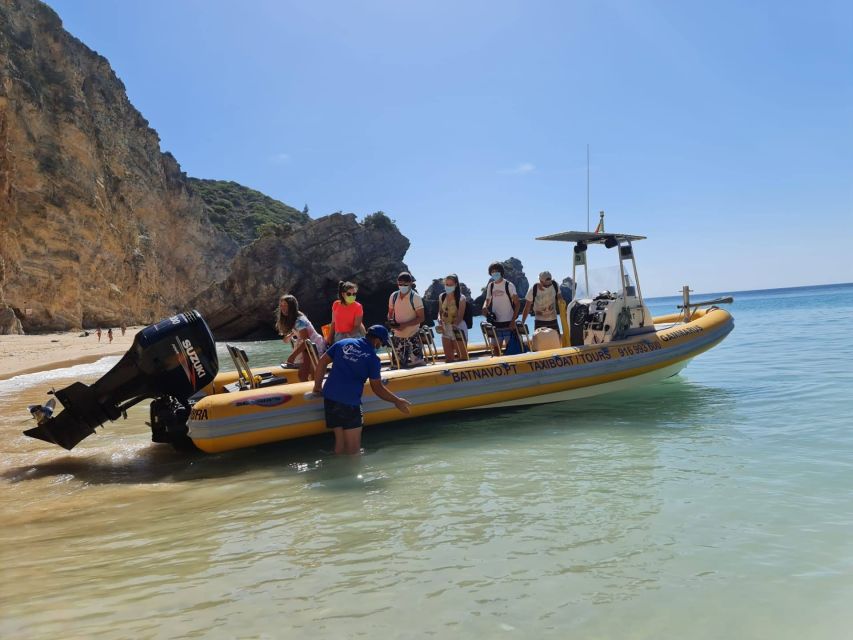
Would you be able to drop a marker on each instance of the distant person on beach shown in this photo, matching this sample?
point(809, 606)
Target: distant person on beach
point(110, 334)
point(354, 362)
point(451, 316)
point(501, 304)
point(405, 316)
point(123, 327)
point(542, 300)
point(291, 321)
point(347, 314)
point(98, 333)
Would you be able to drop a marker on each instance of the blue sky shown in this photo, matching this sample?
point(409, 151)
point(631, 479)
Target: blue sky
point(722, 130)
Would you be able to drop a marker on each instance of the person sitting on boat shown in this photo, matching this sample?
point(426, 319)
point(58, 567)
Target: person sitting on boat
point(347, 314)
point(542, 299)
point(290, 320)
point(451, 315)
point(355, 361)
point(405, 316)
point(501, 304)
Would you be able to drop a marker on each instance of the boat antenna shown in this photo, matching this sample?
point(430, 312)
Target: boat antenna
point(587, 187)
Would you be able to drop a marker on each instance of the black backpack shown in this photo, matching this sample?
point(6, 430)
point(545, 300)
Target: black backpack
point(536, 290)
point(469, 311)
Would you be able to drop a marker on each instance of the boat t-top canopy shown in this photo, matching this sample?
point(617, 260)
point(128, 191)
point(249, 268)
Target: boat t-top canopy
point(610, 240)
point(591, 238)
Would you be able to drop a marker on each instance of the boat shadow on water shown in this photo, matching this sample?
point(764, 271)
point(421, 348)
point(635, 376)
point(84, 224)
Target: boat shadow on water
point(674, 404)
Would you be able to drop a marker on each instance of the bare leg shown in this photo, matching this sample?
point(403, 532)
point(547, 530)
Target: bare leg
point(339, 440)
point(494, 344)
point(461, 347)
point(352, 440)
point(304, 369)
point(449, 349)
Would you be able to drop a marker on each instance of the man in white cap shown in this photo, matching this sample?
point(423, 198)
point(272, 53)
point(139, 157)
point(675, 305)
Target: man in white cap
point(542, 298)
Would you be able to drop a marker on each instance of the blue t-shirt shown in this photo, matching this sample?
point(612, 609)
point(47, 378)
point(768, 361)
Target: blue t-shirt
point(354, 360)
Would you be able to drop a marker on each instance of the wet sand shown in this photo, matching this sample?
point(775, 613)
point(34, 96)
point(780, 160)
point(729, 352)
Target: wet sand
point(28, 354)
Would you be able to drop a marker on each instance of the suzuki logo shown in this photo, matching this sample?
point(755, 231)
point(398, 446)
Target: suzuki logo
point(189, 360)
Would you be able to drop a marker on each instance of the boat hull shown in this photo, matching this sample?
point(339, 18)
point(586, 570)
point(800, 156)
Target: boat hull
point(225, 421)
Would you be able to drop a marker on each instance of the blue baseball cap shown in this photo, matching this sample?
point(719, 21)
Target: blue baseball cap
point(378, 331)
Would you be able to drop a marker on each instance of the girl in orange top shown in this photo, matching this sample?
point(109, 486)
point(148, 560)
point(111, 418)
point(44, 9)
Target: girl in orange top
point(347, 313)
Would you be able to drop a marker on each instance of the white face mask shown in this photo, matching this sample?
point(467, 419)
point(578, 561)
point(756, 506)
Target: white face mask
point(404, 289)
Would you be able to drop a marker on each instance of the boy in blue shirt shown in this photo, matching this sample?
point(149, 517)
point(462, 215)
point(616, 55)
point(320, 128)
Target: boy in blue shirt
point(355, 361)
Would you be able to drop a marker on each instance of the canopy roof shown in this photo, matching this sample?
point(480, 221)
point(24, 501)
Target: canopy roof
point(590, 238)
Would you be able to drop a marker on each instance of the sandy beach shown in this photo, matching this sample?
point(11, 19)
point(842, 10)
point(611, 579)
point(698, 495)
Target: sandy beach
point(28, 354)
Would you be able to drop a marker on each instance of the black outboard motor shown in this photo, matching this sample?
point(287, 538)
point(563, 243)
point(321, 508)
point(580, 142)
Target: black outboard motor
point(175, 357)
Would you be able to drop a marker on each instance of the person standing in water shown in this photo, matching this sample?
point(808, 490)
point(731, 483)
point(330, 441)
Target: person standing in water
point(347, 314)
point(355, 361)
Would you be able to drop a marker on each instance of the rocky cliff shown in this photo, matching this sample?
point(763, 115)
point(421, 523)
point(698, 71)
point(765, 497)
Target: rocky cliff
point(242, 213)
point(307, 261)
point(97, 225)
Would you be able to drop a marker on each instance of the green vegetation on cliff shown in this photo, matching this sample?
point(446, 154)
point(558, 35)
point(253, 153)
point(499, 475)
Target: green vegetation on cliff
point(241, 212)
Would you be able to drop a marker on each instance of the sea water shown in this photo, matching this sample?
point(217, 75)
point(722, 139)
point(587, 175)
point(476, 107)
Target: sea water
point(715, 504)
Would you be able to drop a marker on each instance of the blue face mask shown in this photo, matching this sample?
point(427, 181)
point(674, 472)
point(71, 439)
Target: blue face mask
point(404, 289)
point(449, 289)
point(496, 276)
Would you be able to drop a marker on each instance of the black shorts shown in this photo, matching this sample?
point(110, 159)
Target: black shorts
point(339, 415)
point(547, 324)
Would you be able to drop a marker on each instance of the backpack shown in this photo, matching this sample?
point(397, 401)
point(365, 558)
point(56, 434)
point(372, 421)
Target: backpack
point(468, 316)
point(396, 294)
point(536, 290)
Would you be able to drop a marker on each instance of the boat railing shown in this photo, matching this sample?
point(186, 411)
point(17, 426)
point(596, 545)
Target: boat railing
point(689, 307)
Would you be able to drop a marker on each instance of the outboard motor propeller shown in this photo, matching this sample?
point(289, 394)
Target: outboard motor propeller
point(175, 357)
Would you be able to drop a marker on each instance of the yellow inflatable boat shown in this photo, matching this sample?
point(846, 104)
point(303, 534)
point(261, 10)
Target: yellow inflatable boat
point(224, 421)
point(610, 342)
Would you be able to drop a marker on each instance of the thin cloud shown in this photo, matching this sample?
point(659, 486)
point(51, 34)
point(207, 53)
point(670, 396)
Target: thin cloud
point(521, 169)
point(281, 158)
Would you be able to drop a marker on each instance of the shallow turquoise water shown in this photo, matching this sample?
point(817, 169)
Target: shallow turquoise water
point(714, 504)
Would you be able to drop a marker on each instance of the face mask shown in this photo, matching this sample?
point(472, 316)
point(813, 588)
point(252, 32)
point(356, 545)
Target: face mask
point(449, 288)
point(404, 289)
point(349, 299)
point(496, 276)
